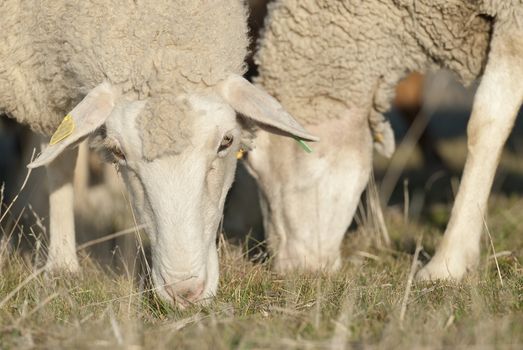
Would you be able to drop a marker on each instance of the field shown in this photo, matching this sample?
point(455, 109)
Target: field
point(371, 303)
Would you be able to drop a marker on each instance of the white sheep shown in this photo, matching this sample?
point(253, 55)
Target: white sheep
point(334, 66)
point(156, 85)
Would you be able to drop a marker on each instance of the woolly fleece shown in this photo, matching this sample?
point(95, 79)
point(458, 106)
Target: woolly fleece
point(322, 58)
point(53, 52)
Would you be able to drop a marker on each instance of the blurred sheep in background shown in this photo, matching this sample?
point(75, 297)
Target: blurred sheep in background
point(335, 65)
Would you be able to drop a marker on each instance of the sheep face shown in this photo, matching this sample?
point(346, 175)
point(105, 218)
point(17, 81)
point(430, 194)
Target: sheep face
point(177, 155)
point(308, 199)
point(180, 193)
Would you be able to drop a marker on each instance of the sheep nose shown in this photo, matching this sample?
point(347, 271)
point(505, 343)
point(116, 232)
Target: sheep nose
point(185, 293)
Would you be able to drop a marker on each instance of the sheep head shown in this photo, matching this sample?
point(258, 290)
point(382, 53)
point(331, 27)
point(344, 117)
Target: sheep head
point(177, 156)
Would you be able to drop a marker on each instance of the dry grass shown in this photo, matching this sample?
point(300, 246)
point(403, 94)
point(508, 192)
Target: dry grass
point(371, 302)
point(358, 307)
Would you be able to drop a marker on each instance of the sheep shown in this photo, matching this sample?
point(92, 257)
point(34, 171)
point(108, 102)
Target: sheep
point(156, 87)
point(333, 65)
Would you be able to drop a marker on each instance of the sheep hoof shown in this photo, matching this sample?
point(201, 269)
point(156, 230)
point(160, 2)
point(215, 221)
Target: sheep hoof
point(443, 269)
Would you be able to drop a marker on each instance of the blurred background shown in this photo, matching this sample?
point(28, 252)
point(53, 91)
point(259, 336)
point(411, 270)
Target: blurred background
point(429, 119)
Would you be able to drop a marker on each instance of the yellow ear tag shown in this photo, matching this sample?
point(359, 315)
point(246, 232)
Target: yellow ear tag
point(378, 137)
point(239, 154)
point(65, 129)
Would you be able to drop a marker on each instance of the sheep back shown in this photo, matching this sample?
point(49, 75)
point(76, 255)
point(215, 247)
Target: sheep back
point(53, 52)
point(321, 58)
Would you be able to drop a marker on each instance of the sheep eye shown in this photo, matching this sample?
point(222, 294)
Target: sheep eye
point(226, 142)
point(118, 154)
point(111, 151)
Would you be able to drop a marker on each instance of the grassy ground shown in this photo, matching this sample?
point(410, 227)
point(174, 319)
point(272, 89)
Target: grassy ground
point(358, 307)
point(368, 304)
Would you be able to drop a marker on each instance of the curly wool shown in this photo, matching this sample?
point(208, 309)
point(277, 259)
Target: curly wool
point(321, 58)
point(53, 52)
point(162, 134)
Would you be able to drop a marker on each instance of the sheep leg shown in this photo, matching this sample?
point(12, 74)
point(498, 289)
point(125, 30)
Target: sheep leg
point(496, 104)
point(62, 245)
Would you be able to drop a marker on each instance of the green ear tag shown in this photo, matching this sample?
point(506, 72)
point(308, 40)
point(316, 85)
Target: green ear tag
point(304, 145)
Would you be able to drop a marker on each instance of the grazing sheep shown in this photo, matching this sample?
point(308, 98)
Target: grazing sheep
point(334, 66)
point(156, 85)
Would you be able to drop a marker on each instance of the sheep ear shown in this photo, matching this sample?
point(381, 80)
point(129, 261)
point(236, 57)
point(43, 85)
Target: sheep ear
point(85, 118)
point(258, 105)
